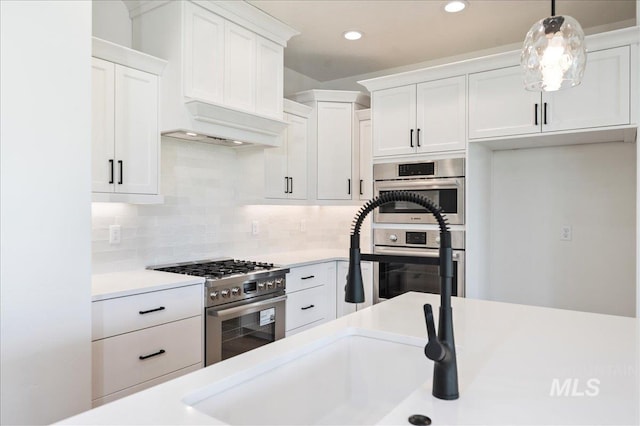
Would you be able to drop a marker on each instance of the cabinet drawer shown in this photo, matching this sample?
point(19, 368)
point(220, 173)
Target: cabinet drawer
point(124, 314)
point(304, 307)
point(308, 276)
point(116, 362)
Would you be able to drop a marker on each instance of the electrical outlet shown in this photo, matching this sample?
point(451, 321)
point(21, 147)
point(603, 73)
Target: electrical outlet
point(114, 234)
point(565, 233)
point(303, 225)
point(255, 229)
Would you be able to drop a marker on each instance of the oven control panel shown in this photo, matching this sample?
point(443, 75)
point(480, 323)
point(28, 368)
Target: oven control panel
point(231, 292)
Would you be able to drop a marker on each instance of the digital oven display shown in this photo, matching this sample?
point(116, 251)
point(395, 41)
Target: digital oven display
point(416, 238)
point(416, 169)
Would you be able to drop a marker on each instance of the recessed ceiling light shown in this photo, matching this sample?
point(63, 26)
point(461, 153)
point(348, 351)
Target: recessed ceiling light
point(191, 134)
point(352, 35)
point(238, 142)
point(455, 6)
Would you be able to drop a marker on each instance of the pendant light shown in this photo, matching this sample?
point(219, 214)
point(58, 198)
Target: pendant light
point(554, 54)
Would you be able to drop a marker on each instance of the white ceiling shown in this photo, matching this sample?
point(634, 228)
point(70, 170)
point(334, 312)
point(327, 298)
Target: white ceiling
point(403, 32)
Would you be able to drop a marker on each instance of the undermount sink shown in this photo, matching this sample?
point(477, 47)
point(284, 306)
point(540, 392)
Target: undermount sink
point(355, 377)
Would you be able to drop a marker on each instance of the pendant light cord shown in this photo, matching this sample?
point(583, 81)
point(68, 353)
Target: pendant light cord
point(553, 7)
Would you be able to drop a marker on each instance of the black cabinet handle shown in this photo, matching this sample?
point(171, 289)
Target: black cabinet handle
point(121, 172)
point(361, 193)
point(291, 186)
point(161, 308)
point(286, 185)
point(411, 138)
point(418, 138)
point(308, 278)
point(304, 308)
point(160, 352)
point(349, 186)
point(111, 168)
point(535, 112)
point(544, 117)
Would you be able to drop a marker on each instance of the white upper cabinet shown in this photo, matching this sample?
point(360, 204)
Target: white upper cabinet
point(333, 144)
point(420, 118)
point(286, 166)
point(601, 100)
point(335, 120)
point(269, 78)
point(124, 132)
point(240, 67)
point(500, 106)
point(203, 54)
point(226, 67)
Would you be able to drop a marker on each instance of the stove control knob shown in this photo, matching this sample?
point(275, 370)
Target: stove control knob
point(270, 284)
point(261, 286)
point(279, 282)
point(213, 295)
point(393, 238)
point(225, 293)
point(235, 291)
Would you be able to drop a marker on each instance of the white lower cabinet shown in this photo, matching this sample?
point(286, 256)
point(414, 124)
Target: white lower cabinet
point(344, 308)
point(311, 293)
point(144, 339)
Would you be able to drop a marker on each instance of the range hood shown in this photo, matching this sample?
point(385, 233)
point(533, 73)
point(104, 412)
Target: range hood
point(224, 80)
point(223, 125)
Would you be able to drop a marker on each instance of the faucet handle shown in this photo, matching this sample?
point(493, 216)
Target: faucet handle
point(434, 350)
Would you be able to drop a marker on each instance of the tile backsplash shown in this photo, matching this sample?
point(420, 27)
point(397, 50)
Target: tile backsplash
point(202, 218)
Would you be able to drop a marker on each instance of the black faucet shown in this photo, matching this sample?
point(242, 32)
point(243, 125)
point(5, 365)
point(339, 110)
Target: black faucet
point(440, 349)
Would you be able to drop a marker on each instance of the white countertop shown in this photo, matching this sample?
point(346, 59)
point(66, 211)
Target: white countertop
point(119, 284)
point(508, 358)
point(292, 259)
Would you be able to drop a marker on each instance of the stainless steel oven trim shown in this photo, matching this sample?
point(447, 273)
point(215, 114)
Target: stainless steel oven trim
point(447, 167)
point(421, 185)
point(458, 258)
point(216, 315)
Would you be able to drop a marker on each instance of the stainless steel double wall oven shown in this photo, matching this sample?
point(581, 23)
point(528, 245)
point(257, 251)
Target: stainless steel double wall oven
point(399, 231)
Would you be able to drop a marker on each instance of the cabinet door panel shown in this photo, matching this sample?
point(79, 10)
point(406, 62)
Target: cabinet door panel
point(136, 131)
point(334, 150)
point(365, 186)
point(269, 78)
point(102, 124)
point(275, 168)
point(240, 67)
point(297, 157)
point(499, 105)
point(393, 118)
point(441, 117)
point(602, 99)
point(204, 54)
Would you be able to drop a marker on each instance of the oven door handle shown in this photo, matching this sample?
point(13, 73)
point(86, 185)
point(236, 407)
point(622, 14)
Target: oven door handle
point(230, 312)
point(410, 251)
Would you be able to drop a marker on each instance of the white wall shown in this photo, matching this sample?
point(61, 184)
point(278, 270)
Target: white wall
point(534, 193)
point(111, 21)
point(204, 215)
point(45, 210)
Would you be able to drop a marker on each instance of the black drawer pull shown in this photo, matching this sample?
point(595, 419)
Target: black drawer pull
point(160, 352)
point(544, 121)
point(418, 138)
point(411, 138)
point(161, 308)
point(304, 308)
point(535, 112)
point(308, 278)
point(121, 172)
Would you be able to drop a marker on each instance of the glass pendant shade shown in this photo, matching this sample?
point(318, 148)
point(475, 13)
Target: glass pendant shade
point(554, 54)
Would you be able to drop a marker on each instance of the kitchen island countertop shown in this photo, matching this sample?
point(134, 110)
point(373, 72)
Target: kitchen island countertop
point(516, 364)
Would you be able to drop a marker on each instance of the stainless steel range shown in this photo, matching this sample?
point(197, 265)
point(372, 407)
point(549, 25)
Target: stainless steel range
point(244, 304)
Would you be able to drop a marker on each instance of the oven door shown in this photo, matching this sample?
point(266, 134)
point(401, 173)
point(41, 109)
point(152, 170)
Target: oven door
point(393, 279)
point(230, 331)
point(448, 193)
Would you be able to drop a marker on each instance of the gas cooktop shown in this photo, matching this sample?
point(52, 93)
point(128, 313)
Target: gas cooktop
point(216, 269)
point(230, 280)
